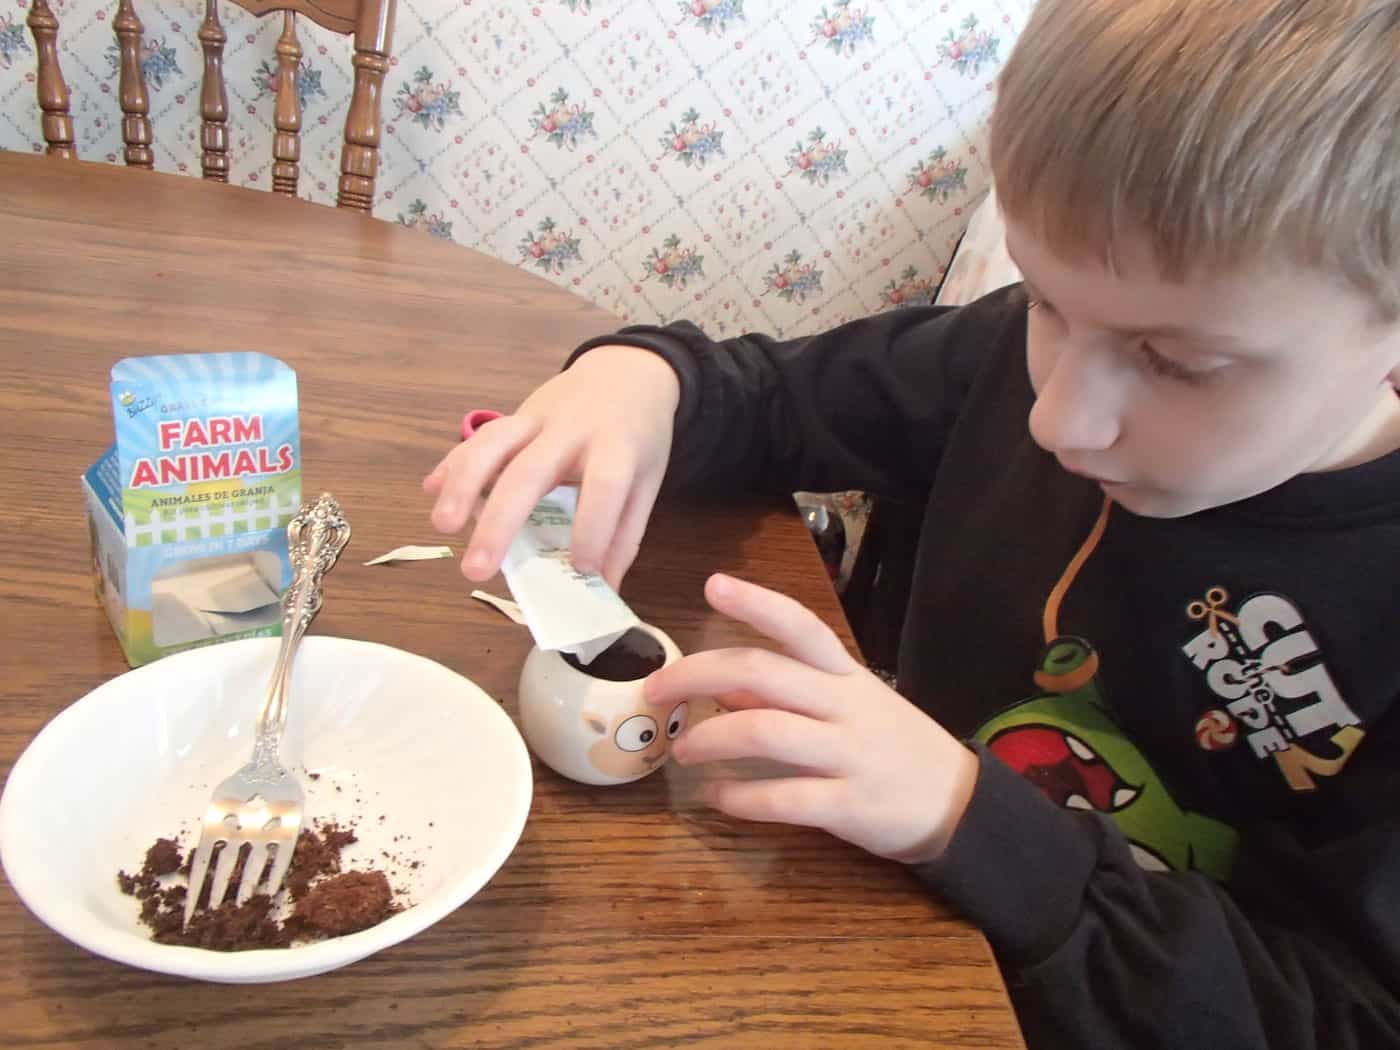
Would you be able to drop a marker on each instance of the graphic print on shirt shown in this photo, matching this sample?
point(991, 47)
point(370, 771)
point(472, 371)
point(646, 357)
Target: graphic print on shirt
point(1067, 742)
point(1264, 664)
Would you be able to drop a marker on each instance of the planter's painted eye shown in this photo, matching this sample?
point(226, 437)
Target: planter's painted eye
point(680, 714)
point(637, 733)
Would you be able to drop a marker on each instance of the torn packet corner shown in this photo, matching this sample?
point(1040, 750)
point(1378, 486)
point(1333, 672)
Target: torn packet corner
point(503, 605)
point(411, 553)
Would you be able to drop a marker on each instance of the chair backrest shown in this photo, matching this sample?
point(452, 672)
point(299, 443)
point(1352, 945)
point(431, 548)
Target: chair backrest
point(369, 21)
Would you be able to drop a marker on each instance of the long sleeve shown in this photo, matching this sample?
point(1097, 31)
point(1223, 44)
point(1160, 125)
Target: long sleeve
point(1300, 949)
point(1267, 915)
point(867, 405)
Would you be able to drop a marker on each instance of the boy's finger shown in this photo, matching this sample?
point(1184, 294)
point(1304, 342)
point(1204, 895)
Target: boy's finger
point(780, 681)
point(521, 485)
point(789, 623)
point(803, 800)
point(778, 736)
point(632, 527)
point(608, 477)
point(467, 469)
point(435, 479)
point(440, 470)
point(740, 700)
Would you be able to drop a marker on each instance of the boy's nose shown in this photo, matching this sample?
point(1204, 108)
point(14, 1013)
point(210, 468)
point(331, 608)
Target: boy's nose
point(1077, 407)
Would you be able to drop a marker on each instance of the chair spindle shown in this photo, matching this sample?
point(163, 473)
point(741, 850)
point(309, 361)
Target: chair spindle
point(57, 122)
point(213, 97)
point(135, 102)
point(286, 144)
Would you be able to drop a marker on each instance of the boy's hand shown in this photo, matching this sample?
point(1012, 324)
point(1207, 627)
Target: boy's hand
point(605, 422)
point(871, 767)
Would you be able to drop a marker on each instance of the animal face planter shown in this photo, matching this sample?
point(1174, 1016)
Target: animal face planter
point(590, 722)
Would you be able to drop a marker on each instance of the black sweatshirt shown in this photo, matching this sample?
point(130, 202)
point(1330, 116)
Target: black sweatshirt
point(1186, 825)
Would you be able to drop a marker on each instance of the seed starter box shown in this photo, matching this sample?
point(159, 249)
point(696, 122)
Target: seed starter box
point(187, 511)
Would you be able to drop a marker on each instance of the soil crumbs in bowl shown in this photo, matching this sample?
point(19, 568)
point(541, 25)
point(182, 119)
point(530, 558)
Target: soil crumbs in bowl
point(325, 901)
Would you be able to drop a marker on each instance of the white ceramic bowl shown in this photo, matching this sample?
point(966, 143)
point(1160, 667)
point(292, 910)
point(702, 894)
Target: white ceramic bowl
point(388, 734)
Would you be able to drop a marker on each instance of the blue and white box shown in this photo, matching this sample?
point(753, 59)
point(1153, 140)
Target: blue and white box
point(188, 510)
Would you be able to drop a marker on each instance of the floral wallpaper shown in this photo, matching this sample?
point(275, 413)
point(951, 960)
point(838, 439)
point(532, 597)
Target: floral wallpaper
point(747, 164)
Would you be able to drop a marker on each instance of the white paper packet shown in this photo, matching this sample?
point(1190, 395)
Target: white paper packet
point(565, 609)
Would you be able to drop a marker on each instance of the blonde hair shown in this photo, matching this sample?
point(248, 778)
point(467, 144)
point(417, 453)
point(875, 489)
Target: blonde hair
point(1223, 130)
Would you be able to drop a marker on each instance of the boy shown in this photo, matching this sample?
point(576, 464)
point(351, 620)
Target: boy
point(1148, 744)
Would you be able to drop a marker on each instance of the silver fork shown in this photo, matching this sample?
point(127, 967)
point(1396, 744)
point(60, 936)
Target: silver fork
point(261, 804)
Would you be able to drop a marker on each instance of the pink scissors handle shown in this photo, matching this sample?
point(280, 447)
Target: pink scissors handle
point(476, 419)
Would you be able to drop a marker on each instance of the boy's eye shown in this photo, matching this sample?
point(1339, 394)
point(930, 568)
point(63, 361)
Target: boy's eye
point(1161, 365)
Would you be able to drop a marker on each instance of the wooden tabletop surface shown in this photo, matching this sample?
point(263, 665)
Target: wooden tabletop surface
point(626, 916)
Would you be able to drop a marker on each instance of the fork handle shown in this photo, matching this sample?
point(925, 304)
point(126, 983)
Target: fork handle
point(315, 538)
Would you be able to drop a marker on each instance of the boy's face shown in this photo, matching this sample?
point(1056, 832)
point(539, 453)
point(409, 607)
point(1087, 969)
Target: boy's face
point(1182, 397)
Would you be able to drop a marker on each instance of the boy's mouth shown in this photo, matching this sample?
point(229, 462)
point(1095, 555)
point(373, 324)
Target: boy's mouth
point(1088, 474)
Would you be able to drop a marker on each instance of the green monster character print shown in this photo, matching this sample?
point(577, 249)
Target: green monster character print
point(1066, 741)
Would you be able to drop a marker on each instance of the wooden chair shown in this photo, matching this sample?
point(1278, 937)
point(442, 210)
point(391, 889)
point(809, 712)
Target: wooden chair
point(371, 23)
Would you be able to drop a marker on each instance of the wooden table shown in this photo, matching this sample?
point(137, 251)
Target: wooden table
point(625, 917)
